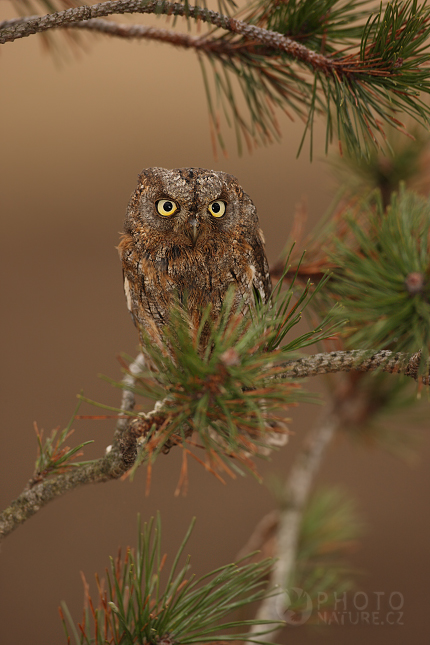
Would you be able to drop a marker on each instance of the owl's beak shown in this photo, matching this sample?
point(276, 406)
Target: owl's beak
point(194, 229)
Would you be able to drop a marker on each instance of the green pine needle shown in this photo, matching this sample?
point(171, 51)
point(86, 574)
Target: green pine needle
point(286, 308)
point(136, 607)
point(218, 392)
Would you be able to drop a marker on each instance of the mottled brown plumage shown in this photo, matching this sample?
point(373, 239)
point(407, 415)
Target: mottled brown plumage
point(196, 249)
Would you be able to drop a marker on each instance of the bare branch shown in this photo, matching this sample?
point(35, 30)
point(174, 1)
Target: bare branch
point(356, 359)
point(178, 39)
point(140, 32)
point(297, 489)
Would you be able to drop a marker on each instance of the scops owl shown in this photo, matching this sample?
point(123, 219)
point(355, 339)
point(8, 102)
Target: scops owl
point(193, 231)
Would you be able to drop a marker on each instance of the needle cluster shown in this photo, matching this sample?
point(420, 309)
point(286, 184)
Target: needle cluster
point(383, 280)
point(135, 606)
point(225, 392)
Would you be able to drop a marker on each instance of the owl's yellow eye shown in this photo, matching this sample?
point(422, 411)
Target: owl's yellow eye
point(217, 208)
point(166, 207)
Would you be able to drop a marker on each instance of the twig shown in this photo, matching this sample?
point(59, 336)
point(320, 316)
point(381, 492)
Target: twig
point(356, 359)
point(178, 39)
point(139, 32)
point(297, 490)
point(128, 400)
point(111, 466)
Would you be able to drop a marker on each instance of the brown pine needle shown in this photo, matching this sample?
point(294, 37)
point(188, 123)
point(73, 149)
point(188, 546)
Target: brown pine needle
point(183, 476)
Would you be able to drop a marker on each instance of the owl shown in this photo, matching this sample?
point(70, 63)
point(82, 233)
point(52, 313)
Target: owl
point(190, 233)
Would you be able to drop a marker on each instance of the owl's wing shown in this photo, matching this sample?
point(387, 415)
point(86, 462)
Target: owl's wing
point(261, 282)
point(127, 293)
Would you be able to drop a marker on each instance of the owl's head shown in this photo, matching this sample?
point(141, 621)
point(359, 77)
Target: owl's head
point(189, 207)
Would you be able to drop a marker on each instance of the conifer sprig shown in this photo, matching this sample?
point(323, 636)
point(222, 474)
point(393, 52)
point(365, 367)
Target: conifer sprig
point(407, 161)
point(53, 457)
point(224, 389)
point(383, 281)
point(382, 76)
point(217, 393)
point(136, 607)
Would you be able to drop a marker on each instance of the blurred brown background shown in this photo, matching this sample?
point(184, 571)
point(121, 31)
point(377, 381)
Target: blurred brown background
point(73, 140)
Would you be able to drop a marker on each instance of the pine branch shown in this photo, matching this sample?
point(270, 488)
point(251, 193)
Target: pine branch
point(358, 360)
point(385, 75)
point(205, 44)
point(11, 30)
point(274, 41)
point(121, 456)
point(28, 7)
point(287, 525)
